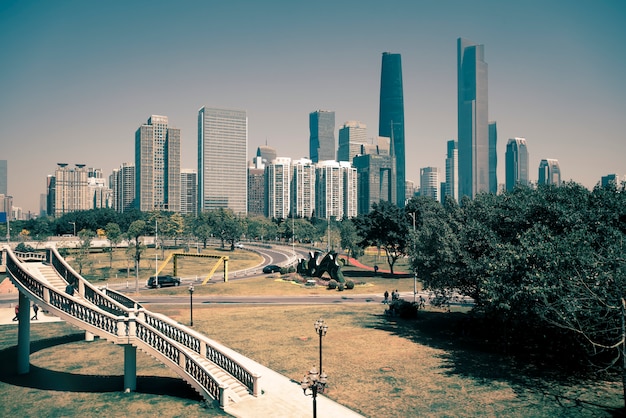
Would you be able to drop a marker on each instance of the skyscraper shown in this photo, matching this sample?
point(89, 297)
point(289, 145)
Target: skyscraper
point(329, 190)
point(157, 166)
point(278, 180)
point(256, 184)
point(71, 190)
point(549, 172)
point(222, 159)
point(516, 163)
point(376, 179)
point(429, 182)
point(352, 135)
point(473, 123)
point(322, 135)
point(452, 170)
point(188, 191)
point(122, 181)
point(303, 188)
point(391, 117)
point(493, 158)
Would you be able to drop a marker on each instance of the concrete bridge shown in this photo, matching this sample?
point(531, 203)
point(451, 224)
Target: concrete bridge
point(241, 386)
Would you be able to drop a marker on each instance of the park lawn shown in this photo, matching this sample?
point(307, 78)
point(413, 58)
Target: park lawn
point(378, 366)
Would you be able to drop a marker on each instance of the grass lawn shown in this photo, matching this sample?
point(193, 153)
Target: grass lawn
point(376, 366)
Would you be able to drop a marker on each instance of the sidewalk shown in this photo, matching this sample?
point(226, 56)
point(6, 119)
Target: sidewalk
point(7, 314)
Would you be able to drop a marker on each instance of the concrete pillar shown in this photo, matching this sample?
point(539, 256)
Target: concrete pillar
point(130, 368)
point(23, 336)
point(89, 336)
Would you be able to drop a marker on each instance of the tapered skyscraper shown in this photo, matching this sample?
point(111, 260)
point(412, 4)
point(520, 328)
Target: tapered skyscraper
point(391, 117)
point(322, 139)
point(516, 165)
point(473, 122)
point(222, 160)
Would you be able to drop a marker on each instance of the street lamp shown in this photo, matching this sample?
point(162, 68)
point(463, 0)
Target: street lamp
point(313, 381)
point(74, 224)
point(191, 302)
point(414, 270)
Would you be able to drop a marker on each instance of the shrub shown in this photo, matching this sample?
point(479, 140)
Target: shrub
point(24, 248)
point(404, 309)
point(332, 284)
point(349, 285)
point(341, 287)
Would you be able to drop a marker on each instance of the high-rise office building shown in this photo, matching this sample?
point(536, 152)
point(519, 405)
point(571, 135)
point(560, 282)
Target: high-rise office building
point(516, 163)
point(350, 189)
point(391, 117)
point(256, 185)
point(100, 193)
point(222, 159)
point(549, 172)
point(71, 189)
point(429, 182)
point(157, 166)
point(4, 177)
point(376, 179)
point(188, 191)
point(329, 190)
point(493, 158)
point(452, 170)
point(613, 179)
point(122, 182)
point(473, 123)
point(278, 180)
point(352, 136)
point(322, 135)
point(303, 188)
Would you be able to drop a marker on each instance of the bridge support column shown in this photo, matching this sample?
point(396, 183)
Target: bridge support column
point(130, 368)
point(23, 336)
point(89, 336)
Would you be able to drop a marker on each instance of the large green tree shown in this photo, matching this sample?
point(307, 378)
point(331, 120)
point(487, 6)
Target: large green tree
point(386, 227)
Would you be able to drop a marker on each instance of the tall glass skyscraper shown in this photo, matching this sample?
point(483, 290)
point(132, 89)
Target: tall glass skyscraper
point(549, 172)
point(352, 135)
point(157, 166)
point(516, 163)
point(452, 171)
point(3, 177)
point(391, 117)
point(473, 123)
point(322, 135)
point(222, 165)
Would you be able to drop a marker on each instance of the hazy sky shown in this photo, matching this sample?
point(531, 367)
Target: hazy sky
point(77, 78)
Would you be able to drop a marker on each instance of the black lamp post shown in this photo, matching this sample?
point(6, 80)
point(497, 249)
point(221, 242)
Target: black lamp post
point(191, 302)
point(313, 381)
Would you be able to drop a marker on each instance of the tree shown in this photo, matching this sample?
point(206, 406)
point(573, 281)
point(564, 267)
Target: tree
point(114, 235)
point(85, 236)
point(349, 238)
point(134, 233)
point(226, 225)
point(385, 227)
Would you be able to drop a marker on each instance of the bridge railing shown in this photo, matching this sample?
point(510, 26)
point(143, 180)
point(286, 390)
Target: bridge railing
point(138, 327)
point(205, 348)
point(85, 288)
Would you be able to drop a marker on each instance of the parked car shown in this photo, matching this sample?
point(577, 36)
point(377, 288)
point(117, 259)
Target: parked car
point(271, 268)
point(238, 245)
point(160, 281)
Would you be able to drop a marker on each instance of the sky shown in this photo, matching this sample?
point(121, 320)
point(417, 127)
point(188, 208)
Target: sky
point(78, 78)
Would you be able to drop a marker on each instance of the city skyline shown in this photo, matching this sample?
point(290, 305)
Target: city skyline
point(555, 78)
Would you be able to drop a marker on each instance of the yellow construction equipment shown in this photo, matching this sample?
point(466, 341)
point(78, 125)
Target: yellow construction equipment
point(219, 259)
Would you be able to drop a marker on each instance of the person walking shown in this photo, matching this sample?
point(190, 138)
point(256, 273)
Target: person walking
point(17, 311)
point(35, 309)
point(386, 301)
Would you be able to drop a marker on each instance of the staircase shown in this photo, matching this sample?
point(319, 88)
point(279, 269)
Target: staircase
point(202, 363)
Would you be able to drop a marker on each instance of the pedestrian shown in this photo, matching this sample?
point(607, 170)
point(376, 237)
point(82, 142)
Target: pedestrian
point(69, 289)
point(35, 309)
point(386, 301)
point(17, 310)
